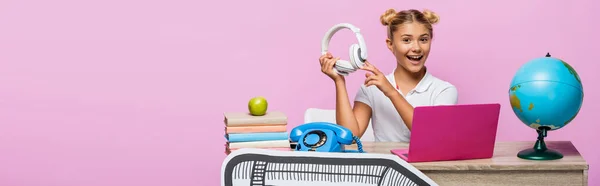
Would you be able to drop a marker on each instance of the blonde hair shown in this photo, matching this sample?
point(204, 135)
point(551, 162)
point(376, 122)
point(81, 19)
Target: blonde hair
point(393, 19)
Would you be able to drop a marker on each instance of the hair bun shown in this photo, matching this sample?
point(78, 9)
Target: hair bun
point(431, 16)
point(387, 17)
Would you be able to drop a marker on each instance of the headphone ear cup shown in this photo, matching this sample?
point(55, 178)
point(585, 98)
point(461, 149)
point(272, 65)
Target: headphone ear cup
point(343, 67)
point(355, 56)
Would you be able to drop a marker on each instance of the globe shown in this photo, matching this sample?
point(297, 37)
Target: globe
point(546, 94)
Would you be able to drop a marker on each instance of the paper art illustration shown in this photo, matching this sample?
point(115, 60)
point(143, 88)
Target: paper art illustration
point(265, 167)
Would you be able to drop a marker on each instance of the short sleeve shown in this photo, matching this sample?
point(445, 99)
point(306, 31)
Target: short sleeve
point(448, 96)
point(363, 95)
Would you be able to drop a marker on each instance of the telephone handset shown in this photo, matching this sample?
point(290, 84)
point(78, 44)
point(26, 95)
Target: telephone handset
point(323, 137)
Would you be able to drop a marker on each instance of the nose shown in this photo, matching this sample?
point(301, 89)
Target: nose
point(416, 48)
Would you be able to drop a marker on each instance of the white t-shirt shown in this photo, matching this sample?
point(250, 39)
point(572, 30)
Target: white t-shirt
point(386, 123)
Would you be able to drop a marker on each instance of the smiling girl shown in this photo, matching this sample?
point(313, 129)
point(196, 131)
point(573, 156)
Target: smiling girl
point(388, 100)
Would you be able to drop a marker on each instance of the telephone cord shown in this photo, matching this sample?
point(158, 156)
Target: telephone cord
point(358, 145)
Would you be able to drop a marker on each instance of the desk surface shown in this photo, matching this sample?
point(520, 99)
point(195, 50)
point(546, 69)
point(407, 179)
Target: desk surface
point(505, 157)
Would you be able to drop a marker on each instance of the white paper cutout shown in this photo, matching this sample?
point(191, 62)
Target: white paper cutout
point(265, 167)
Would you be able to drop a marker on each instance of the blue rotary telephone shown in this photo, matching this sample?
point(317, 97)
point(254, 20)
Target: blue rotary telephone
point(323, 137)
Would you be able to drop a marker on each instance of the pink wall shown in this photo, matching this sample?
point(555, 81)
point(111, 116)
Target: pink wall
point(123, 92)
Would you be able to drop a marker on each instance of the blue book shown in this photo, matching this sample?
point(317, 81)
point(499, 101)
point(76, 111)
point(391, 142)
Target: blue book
point(265, 136)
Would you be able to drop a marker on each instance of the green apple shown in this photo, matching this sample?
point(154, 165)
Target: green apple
point(258, 106)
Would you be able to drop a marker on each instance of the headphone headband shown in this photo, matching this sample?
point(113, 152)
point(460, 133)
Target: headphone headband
point(338, 27)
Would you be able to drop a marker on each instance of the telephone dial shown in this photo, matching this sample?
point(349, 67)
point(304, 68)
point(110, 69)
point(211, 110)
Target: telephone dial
point(323, 137)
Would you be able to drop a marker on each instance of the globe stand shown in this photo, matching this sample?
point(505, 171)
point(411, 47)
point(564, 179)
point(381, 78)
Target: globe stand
point(539, 150)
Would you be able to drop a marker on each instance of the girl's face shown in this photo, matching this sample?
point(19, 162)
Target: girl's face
point(411, 44)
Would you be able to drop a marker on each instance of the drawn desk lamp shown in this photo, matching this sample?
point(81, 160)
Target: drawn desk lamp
point(323, 137)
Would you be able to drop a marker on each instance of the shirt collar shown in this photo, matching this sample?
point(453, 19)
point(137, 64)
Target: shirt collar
point(422, 86)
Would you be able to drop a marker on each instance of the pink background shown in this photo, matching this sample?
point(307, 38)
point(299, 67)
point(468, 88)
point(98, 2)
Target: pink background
point(124, 92)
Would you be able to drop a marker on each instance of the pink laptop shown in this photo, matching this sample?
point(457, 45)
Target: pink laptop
point(452, 132)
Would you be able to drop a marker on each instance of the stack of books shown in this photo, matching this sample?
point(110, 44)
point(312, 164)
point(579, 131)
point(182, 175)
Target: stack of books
point(243, 130)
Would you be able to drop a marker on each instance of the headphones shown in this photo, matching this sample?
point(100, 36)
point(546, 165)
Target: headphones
point(358, 52)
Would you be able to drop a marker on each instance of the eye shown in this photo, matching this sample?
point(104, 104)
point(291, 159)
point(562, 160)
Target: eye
point(424, 39)
point(406, 40)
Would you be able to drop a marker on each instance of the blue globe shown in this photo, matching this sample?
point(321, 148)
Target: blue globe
point(546, 92)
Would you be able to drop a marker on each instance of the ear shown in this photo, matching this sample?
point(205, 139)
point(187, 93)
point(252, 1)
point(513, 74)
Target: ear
point(389, 44)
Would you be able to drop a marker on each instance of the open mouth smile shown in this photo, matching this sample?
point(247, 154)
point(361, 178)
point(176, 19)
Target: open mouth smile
point(414, 58)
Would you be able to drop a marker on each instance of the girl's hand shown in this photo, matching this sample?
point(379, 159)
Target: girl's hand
point(327, 62)
point(378, 79)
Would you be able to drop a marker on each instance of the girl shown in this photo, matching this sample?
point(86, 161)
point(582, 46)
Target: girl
point(388, 100)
